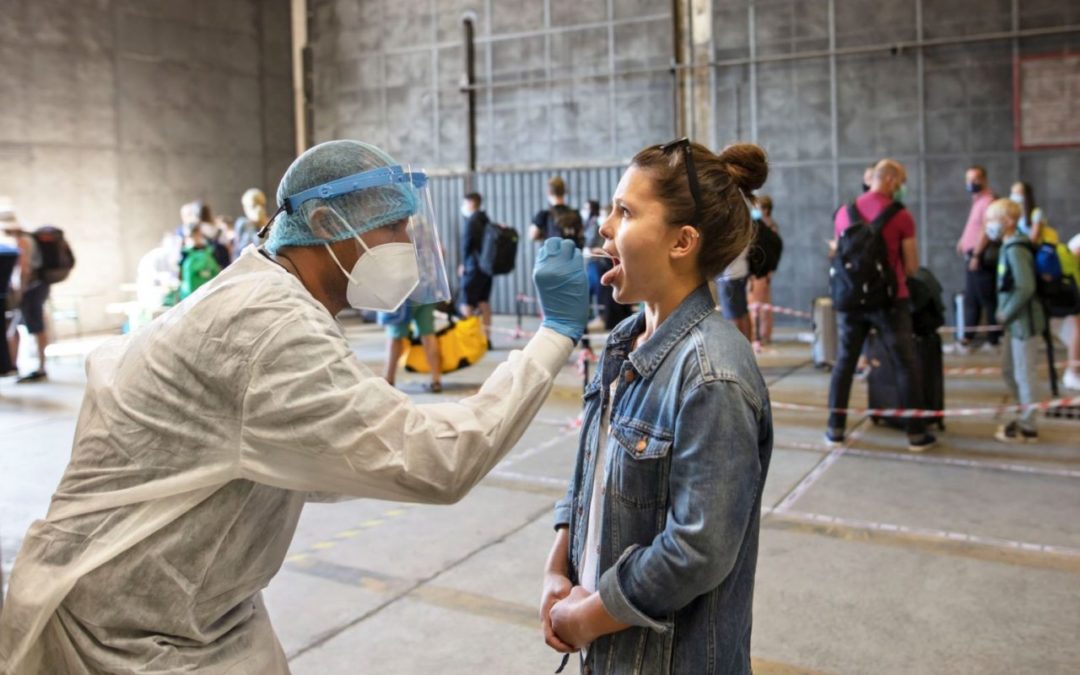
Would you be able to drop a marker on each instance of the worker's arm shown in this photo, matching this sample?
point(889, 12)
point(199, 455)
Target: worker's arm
point(909, 251)
point(315, 419)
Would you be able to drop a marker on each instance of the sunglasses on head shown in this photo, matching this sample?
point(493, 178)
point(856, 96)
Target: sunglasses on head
point(691, 172)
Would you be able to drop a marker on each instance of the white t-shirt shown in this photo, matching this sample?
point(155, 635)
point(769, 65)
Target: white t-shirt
point(590, 574)
point(738, 269)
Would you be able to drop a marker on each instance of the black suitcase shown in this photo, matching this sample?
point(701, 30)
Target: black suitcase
point(881, 382)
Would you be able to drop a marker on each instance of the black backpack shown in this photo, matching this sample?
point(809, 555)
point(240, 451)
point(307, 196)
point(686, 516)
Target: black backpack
point(498, 250)
point(57, 259)
point(764, 254)
point(860, 277)
point(565, 222)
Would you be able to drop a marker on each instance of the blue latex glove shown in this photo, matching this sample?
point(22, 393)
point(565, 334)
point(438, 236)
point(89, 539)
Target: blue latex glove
point(563, 287)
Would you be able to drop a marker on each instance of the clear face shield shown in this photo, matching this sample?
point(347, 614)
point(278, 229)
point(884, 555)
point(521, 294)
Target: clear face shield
point(388, 196)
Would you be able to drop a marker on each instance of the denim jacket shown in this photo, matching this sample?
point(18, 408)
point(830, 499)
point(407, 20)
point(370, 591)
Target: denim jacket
point(688, 450)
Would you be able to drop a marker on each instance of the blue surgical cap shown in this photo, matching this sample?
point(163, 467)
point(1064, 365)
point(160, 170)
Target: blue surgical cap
point(352, 213)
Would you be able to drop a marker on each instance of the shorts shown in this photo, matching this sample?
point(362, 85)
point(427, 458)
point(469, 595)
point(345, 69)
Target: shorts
point(32, 307)
point(476, 286)
point(424, 318)
point(732, 294)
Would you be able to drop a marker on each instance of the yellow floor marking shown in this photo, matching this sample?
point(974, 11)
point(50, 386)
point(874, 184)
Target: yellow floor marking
point(323, 545)
point(297, 558)
point(375, 585)
point(347, 534)
point(765, 667)
point(372, 523)
point(394, 512)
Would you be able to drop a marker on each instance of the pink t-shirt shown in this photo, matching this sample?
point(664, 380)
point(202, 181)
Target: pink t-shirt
point(974, 228)
point(900, 227)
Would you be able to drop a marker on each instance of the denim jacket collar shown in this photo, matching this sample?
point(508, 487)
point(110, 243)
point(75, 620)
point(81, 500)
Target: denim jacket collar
point(648, 357)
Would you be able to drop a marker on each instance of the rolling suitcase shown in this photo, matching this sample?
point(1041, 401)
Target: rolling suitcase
point(824, 347)
point(882, 391)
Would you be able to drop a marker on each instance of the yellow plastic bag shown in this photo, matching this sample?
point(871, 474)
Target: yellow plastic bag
point(461, 344)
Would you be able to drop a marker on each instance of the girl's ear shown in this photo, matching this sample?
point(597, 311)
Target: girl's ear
point(686, 243)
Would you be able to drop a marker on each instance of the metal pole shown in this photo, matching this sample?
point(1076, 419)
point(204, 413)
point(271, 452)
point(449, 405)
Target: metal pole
point(470, 93)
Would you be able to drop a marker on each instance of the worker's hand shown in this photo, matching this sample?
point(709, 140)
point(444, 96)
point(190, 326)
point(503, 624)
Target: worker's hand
point(563, 288)
point(973, 264)
point(556, 587)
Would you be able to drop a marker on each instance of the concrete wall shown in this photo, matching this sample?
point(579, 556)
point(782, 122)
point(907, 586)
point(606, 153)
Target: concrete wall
point(389, 71)
point(937, 109)
point(557, 93)
point(117, 111)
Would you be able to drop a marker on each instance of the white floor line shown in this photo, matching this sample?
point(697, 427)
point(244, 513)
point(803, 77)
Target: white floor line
point(529, 479)
point(969, 463)
point(929, 533)
point(816, 473)
point(936, 459)
point(537, 449)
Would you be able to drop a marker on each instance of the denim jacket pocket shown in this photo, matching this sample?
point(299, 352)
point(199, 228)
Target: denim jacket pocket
point(640, 469)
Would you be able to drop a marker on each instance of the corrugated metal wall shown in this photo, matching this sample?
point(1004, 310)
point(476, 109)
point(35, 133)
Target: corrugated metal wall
point(513, 198)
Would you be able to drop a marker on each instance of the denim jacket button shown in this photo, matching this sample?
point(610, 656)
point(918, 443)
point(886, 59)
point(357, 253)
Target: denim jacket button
point(629, 376)
point(641, 446)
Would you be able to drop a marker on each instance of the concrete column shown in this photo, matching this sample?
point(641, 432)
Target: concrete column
point(301, 63)
point(692, 22)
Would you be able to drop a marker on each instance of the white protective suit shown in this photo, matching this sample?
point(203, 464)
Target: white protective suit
point(198, 441)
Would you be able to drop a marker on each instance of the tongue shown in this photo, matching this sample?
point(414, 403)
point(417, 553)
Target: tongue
point(610, 275)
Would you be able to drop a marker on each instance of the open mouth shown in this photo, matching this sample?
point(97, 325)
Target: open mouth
point(609, 277)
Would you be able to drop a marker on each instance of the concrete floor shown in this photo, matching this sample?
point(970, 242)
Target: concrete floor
point(965, 560)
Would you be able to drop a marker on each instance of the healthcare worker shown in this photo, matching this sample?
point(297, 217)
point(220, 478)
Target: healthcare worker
point(202, 435)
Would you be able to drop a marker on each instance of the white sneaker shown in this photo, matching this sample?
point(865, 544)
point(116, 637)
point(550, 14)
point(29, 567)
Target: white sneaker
point(957, 348)
point(988, 348)
point(1071, 380)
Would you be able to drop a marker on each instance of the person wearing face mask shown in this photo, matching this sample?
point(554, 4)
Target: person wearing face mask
point(1021, 312)
point(475, 283)
point(892, 320)
point(980, 255)
point(1033, 223)
point(203, 434)
point(759, 288)
point(197, 216)
point(246, 229)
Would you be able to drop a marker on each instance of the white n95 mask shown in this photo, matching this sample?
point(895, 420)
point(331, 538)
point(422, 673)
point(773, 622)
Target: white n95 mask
point(383, 278)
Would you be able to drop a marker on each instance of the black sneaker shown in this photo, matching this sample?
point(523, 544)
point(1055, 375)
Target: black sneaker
point(36, 376)
point(922, 443)
point(834, 439)
point(1014, 433)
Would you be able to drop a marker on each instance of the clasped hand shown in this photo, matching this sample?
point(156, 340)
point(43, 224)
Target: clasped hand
point(562, 615)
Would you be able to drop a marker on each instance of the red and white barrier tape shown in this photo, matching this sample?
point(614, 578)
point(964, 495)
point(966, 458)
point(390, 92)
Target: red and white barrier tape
point(948, 412)
point(777, 309)
point(970, 329)
point(973, 371)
